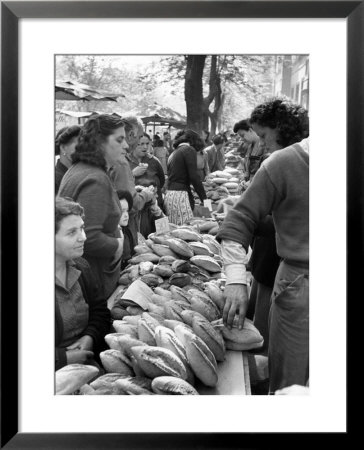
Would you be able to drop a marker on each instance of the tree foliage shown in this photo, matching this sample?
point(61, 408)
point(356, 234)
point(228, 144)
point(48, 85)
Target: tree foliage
point(247, 76)
point(226, 89)
point(97, 71)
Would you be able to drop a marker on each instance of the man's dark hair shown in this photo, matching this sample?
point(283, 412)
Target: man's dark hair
point(242, 125)
point(219, 139)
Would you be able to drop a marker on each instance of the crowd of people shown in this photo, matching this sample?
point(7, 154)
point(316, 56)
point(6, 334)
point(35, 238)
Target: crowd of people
point(113, 181)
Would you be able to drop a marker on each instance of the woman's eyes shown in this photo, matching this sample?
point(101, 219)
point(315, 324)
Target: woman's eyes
point(72, 232)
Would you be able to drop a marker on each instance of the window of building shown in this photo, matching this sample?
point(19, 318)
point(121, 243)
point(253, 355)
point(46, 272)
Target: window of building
point(297, 92)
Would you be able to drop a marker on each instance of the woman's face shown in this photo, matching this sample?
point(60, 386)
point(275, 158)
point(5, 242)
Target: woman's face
point(124, 219)
point(115, 146)
point(268, 136)
point(142, 147)
point(248, 136)
point(70, 238)
point(69, 148)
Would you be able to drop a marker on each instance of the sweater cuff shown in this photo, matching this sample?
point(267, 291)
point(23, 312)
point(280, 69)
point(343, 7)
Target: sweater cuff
point(235, 259)
point(235, 274)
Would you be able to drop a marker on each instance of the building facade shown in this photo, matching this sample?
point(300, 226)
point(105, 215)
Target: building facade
point(292, 78)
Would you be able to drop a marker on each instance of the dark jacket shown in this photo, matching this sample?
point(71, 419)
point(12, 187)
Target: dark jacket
point(129, 244)
point(91, 187)
point(99, 322)
point(59, 172)
point(182, 172)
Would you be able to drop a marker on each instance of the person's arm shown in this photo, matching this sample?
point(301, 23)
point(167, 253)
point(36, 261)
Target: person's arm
point(64, 356)
point(123, 179)
point(191, 165)
point(210, 161)
point(120, 249)
point(99, 315)
point(266, 227)
point(95, 197)
point(236, 294)
point(238, 226)
point(156, 210)
point(206, 168)
point(160, 172)
point(253, 206)
point(139, 171)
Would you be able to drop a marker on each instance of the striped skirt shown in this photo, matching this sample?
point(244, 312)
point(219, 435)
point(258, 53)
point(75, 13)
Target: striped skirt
point(177, 207)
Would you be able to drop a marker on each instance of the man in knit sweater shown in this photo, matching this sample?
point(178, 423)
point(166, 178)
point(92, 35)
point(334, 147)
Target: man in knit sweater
point(281, 188)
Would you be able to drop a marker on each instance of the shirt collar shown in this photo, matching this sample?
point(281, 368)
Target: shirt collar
point(73, 275)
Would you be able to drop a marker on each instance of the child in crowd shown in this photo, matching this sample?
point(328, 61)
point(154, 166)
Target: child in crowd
point(126, 204)
point(151, 211)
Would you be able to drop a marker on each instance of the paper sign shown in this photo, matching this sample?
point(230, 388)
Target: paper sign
point(139, 293)
point(162, 225)
point(207, 203)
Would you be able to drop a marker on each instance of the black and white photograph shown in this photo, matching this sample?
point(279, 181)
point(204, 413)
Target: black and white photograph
point(165, 237)
point(182, 224)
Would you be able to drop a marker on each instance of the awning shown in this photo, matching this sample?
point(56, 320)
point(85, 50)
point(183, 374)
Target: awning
point(71, 90)
point(158, 120)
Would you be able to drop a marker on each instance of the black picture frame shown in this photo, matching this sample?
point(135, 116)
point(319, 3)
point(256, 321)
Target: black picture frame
point(11, 12)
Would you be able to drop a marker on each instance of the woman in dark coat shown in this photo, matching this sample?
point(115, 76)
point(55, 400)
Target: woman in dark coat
point(101, 144)
point(182, 172)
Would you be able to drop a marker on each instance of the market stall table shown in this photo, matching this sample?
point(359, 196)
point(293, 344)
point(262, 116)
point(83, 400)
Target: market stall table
point(233, 373)
point(233, 376)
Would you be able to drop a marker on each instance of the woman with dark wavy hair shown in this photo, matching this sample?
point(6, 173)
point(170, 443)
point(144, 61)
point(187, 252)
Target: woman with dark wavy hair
point(101, 144)
point(279, 123)
point(274, 210)
point(182, 172)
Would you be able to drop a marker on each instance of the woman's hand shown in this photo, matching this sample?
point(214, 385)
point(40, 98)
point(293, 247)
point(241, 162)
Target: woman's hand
point(236, 301)
point(139, 171)
point(84, 343)
point(149, 193)
point(78, 356)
